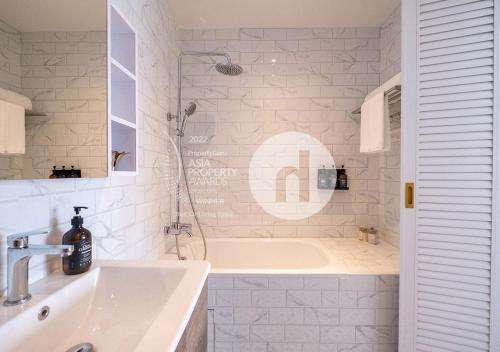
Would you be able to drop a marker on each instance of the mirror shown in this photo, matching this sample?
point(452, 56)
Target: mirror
point(53, 94)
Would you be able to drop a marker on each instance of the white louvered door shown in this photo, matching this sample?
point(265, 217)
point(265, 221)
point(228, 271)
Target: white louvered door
point(454, 175)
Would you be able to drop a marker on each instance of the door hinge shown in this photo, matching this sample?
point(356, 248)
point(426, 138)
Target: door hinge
point(409, 195)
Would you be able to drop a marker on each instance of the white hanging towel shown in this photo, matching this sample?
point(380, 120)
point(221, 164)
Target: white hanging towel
point(12, 131)
point(375, 135)
point(14, 98)
point(375, 125)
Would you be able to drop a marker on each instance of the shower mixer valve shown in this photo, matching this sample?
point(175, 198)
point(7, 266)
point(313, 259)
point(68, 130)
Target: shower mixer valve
point(178, 228)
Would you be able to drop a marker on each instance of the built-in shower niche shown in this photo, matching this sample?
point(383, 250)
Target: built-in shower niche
point(123, 94)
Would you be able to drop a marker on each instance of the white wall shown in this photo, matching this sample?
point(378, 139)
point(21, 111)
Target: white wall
point(303, 313)
point(390, 162)
point(302, 79)
point(390, 46)
point(126, 214)
point(305, 80)
point(64, 75)
point(10, 57)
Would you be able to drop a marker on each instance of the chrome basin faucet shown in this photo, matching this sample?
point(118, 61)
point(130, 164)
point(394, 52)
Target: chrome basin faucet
point(19, 253)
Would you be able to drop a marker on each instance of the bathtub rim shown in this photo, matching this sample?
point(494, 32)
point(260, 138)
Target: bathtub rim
point(334, 267)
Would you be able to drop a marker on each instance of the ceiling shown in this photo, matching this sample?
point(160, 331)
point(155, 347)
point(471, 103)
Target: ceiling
point(204, 14)
point(54, 15)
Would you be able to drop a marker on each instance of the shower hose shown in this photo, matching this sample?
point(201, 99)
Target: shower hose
point(188, 191)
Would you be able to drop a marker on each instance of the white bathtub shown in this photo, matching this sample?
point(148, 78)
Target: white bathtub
point(295, 255)
point(325, 291)
point(262, 254)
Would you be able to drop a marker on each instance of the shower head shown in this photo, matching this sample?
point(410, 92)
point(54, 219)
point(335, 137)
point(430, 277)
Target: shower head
point(190, 109)
point(229, 69)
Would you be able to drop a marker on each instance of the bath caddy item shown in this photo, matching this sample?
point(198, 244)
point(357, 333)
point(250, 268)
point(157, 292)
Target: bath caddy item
point(327, 178)
point(342, 183)
point(373, 237)
point(117, 157)
point(363, 233)
point(332, 178)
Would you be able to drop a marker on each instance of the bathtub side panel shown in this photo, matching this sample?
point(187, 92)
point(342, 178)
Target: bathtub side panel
point(303, 312)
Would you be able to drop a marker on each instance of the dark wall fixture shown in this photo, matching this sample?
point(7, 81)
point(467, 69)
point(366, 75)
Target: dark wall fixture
point(66, 173)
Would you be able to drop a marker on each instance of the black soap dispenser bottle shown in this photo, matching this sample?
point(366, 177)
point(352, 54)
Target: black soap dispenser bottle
point(81, 238)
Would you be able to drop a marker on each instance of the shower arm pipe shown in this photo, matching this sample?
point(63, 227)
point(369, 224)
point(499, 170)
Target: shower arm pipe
point(179, 108)
point(179, 63)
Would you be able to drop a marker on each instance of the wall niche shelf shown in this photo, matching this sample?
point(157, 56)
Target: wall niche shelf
point(122, 104)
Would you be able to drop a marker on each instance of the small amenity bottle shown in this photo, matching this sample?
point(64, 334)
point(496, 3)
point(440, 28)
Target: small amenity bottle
point(81, 238)
point(373, 237)
point(362, 233)
point(342, 182)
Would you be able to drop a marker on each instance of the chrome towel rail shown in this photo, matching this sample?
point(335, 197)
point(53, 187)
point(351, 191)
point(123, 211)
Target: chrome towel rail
point(393, 95)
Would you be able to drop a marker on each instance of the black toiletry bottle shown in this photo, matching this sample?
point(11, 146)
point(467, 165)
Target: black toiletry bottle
point(81, 238)
point(54, 172)
point(342, 178)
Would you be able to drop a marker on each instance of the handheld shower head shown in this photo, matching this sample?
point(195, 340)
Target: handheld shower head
point(190, 109)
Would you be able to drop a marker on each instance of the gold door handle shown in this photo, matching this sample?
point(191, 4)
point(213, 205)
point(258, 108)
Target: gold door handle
point(409, 195)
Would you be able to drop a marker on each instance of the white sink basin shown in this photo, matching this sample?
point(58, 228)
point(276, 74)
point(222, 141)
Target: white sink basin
point(117, 306)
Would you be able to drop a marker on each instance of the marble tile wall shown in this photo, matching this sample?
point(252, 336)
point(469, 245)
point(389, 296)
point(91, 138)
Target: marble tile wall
point(305, 80)
point(64, 75)
point(390, 163)
point(72, 91)
point(302, 313)
point(390, 46)
point(126, 214)
point(10, 57)
point(10, 79)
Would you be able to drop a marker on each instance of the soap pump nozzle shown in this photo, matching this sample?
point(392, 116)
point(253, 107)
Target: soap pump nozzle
point(77, 219)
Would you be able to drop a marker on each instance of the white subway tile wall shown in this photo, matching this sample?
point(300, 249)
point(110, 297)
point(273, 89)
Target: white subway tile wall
point(64, 75)
point(303, 313)
point(10, 58)
point(10, 79)
point(390, 46)
point(304, 80)
point(126, 214)
point(390, 163)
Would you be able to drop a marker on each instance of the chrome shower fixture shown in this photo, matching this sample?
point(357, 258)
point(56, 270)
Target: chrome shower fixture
point(176, 227)
point(229, 69)
point(190, 109)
